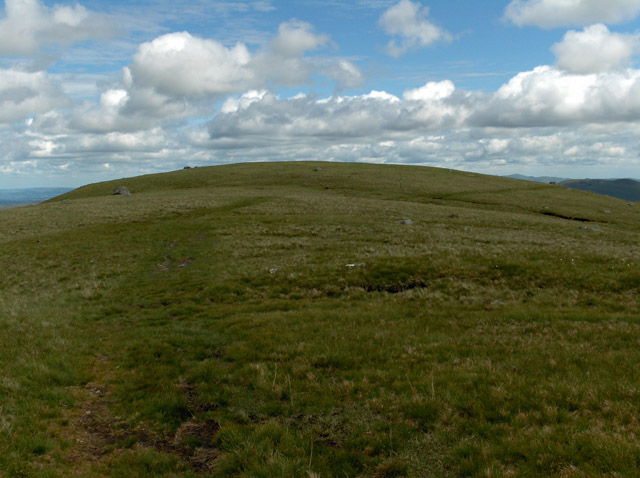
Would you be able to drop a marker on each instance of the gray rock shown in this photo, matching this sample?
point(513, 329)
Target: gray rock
point(317, 170)
point(407, 222)
point(606, 211)
point(587, 228)
point(65, 201)
point(121, 191)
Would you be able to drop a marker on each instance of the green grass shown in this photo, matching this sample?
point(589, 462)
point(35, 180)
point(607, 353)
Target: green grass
point(272, 320)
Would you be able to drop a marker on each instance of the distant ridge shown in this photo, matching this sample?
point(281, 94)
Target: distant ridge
point(537, 179)
point(30, 195)
point(627, 189)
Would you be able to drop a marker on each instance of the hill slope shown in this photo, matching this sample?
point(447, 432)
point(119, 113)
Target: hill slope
point(287, 319)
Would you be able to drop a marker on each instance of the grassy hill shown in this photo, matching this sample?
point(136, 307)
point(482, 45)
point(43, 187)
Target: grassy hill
point(319, 320)
point(627, 189)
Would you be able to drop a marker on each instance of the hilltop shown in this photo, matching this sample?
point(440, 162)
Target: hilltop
point(320, 319)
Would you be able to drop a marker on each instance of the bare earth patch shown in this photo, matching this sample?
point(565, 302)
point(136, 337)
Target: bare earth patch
point(98, 436)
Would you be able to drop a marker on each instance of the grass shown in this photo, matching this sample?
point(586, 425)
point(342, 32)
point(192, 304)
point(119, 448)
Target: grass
point(274, 320)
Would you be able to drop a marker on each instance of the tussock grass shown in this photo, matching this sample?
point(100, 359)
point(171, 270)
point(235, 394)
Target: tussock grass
point(275, 320)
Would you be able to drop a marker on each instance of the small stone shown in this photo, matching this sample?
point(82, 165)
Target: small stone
point(317, 170)
point(407, 222)
point(606, 211)
point(65, 201)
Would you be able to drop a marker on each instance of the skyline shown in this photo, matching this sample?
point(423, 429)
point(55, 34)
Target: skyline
point(91, 92)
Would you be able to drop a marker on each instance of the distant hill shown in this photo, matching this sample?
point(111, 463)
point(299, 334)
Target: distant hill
point(627, 189)
point(31, 195)
point(537, 179)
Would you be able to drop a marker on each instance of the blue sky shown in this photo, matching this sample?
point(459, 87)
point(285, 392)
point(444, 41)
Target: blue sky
point(98, 90)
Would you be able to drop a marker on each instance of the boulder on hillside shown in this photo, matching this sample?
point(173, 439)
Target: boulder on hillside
point(121, 191)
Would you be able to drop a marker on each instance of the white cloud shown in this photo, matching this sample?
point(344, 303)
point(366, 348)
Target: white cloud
point(345, 73)
point(545, 118)
point(431, 91)
point(408, 21)
point(559, 13)
point(28, 25)
point(231, 105)
point(179, 64)
point(595, 49)
point(152, 118)
point(542, 118)
point(547, 96)
point(376, 116)
point(287, 62)
point(543, 97)
point(178, 75)
point(129, 110)
point(295, 38)
point(23, 94)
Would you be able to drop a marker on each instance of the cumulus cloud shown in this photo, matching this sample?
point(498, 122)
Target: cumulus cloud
point(377, 114)
point(554, 13)
point(409, 23)
point(544, 116)
point(345, 73)
point(595, 49)
point(178, 75)
point(547, 96)
point(550, 115)
point(179, 64)
point(29, 24)
point(287, 60)
point(296, 38)
point(23, 94)
point(182, 65)
point(431, 91)
point(542, 98)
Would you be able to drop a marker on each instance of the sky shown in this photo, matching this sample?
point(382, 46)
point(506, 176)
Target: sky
point(96, 90)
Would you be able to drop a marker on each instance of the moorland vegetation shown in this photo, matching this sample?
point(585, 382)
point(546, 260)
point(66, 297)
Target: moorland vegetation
point(320, 320)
